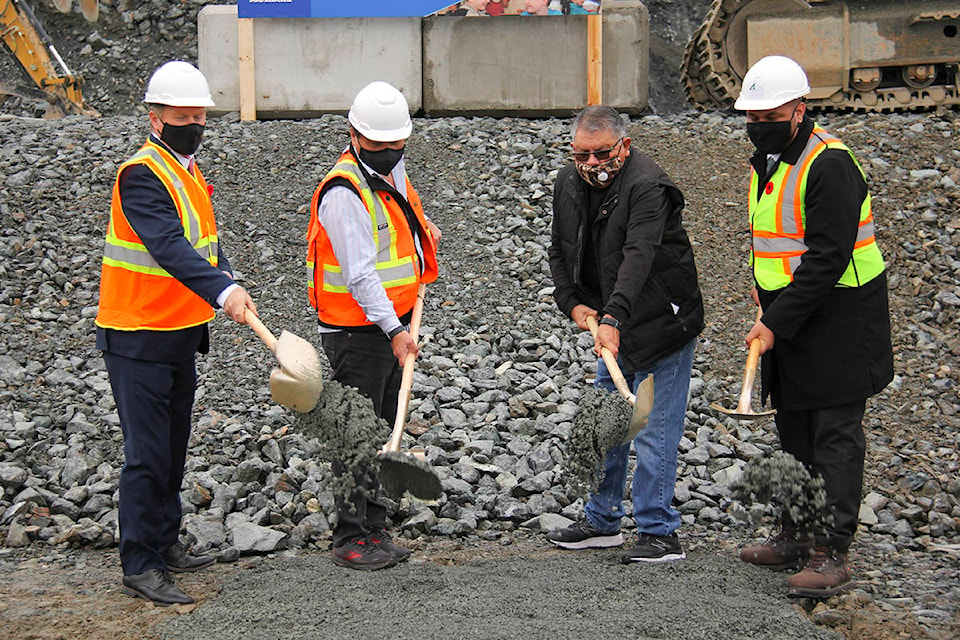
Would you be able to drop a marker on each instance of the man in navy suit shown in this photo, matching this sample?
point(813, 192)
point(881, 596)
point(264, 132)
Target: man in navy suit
point(162, 276)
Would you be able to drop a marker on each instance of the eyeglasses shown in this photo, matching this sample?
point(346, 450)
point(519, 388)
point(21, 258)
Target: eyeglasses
point(600, 154)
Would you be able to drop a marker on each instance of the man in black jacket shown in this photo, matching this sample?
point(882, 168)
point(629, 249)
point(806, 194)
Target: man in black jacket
point(619, 253)
point(825, 331)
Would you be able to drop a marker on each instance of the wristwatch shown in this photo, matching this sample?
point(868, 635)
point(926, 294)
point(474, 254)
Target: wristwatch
point(396, 331)
point(610, 321)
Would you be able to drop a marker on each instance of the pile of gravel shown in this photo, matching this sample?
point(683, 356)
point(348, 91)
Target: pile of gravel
point(502, 373)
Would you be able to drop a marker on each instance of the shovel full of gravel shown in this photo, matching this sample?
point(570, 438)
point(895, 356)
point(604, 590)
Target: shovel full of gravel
point(642, 401)
point(604, 420)
point(401, 472)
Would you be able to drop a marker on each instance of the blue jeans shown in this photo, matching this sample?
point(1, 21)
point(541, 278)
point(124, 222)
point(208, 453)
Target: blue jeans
point(655, 475)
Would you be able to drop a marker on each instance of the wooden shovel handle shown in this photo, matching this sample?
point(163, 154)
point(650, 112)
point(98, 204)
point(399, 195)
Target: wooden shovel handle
point(406, 380)
point(750, 372)
point(260, 329)
point(612, 366)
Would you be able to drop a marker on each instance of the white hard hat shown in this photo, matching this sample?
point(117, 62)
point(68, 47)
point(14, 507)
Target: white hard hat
point(771, 82)
point(178, 84)
point(380, 113)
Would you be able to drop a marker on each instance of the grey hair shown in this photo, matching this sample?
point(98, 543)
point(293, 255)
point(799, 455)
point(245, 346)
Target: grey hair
point(599, 118)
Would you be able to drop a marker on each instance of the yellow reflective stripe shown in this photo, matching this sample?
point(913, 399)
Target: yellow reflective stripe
point(153, 157)
point(381, 226)
point(192, 230)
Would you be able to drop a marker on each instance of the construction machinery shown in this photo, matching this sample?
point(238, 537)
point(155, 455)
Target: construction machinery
point(867, 55)
point(32, 48)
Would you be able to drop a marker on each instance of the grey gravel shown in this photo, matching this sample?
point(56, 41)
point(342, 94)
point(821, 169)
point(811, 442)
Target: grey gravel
point(499, 386)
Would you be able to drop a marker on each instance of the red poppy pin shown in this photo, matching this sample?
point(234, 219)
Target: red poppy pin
point(210, 190)
point(769, 188)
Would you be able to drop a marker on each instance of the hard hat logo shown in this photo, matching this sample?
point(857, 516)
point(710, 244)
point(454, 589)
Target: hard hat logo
point(380, 113)
point(178, 84)
point(771, 82)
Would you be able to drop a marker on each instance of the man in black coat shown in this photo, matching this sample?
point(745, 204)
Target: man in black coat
point(619, 254)
point(825, 330)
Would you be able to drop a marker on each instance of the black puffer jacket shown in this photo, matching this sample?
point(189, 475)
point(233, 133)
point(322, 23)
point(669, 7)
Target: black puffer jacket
point(648, 278)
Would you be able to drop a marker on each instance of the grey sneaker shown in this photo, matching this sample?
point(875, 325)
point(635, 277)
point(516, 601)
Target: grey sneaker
point(580, 535)
point(654, 549)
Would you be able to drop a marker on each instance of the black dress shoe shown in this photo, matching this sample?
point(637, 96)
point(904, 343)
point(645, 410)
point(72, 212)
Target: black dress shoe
point(179, 561)
point(155, 585)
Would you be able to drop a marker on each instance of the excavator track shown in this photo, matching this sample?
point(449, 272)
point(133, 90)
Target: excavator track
point(714, 63)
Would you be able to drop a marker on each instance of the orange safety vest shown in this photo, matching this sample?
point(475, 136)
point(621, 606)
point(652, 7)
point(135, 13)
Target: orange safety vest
point(778, 221)
point(135, 291)
point(397, 263)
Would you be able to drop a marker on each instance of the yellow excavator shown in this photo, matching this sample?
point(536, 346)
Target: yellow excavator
point(33, 50)
point(860, 55)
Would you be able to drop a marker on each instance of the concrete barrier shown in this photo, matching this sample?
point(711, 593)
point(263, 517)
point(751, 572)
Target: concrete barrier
point(523, 66)
point(444, 65)
point(308, 67)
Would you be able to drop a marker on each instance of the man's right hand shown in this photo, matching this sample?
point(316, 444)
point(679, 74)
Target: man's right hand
point(403, 344)
point(580, 313)
point(237, 303)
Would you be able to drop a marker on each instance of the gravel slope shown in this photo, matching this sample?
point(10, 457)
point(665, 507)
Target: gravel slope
point(502, 371)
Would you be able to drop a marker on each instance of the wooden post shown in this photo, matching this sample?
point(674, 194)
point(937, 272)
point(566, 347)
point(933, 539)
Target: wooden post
point(248, 81)
point(594, 59)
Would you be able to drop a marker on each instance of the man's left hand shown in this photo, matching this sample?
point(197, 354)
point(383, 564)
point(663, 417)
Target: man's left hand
point(434, 231)
point(403, 344)
point(607, 337)
point(759, 330)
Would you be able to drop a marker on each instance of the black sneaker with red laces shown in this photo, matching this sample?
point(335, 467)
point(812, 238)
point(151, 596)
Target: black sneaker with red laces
point(362, 554)
point(382, 539)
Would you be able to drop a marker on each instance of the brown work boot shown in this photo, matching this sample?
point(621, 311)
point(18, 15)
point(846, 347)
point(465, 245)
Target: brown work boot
point(788, 549)
point(824, 576)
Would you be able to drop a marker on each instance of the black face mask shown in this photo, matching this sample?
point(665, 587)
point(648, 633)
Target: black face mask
point(382, 161)
point(770, 137)
point(184, 139)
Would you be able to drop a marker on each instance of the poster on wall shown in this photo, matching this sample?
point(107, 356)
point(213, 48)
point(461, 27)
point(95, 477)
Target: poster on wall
point(412, 8)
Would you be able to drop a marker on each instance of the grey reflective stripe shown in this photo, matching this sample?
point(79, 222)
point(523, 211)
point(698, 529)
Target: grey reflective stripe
point(138, 257)
point(788, 217)
point(866, 231)
point(778, 245)
point(334, 278)
point(192, 228)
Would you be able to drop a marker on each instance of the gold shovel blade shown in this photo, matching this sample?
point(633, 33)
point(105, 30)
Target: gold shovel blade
point(642, 406)
point(293, 393)
point(298, 381)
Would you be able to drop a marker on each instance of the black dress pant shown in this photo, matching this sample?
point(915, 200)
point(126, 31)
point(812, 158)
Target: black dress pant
point(364, 360)
point(831, 444)
point(154, 400)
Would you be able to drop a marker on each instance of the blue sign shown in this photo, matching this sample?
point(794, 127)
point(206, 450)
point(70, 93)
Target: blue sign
point(412, 8)
point(339, 8)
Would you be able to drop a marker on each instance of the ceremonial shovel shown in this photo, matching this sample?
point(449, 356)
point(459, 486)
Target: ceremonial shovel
point(744, 410)
point(401, 472)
